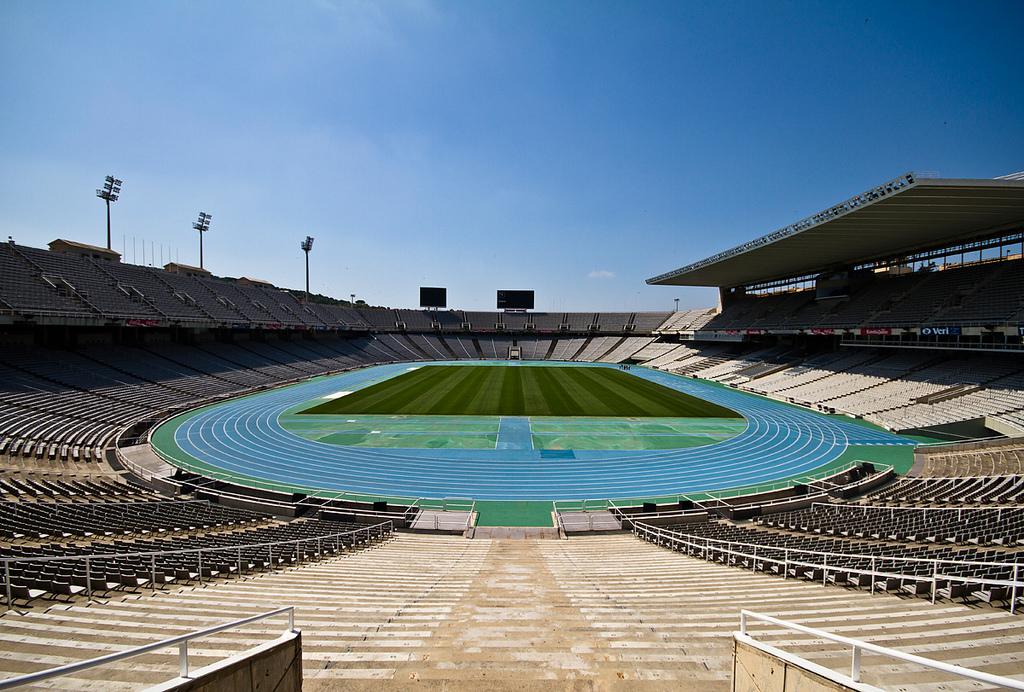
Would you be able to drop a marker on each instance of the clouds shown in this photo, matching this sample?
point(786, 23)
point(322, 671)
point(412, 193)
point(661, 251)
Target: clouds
point(478, 145)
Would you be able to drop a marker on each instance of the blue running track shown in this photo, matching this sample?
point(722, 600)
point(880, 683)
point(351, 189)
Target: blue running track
point(244, 437)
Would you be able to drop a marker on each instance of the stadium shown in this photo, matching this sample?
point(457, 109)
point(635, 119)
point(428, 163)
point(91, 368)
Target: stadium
point(521, 499)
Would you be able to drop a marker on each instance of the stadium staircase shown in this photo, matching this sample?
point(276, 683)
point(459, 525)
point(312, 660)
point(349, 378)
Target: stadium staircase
point(442, 612)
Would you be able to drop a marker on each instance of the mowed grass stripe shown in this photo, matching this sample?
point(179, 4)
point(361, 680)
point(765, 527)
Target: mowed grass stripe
point(556, 394)
point(609, 387)
point(521, 391)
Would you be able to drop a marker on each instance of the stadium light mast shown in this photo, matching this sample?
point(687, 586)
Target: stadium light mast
point(306, 246)
point(202, 225)
point(108, 193)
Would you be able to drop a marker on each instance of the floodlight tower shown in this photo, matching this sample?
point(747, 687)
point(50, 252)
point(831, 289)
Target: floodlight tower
point(306, 246)
point(109, 192)
point(202, 225)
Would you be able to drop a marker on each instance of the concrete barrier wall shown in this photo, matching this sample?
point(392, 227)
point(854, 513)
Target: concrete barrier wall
point(760, 668)
point(272, 667)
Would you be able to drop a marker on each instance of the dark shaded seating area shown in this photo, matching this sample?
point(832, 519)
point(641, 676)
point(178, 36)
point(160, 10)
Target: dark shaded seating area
point(96, 548)
point(994, 490)
point(956, 525)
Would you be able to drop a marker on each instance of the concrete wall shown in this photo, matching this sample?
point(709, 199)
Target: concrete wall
point(272, 667)
point(760, 668)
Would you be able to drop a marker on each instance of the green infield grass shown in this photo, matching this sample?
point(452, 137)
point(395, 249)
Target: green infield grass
point(520, 391)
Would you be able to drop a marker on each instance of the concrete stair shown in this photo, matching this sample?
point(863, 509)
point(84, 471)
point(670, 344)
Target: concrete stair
point(432, 612)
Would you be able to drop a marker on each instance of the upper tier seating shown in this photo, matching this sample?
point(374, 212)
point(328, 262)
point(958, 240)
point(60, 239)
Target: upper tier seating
point(990, 490)
point(79, 278)
point(22, 289)
point(988, 293)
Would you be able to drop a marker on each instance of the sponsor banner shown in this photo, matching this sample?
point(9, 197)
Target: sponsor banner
point(1020, 331)
point(732, 331)
point(300, 327)
point(718, 336)
point(823, 332)
point(273, 326)
point(875, 331)
point(755, 331)
point(240, 326)
point(545, 331)
point(142, 323)
point(941, 331)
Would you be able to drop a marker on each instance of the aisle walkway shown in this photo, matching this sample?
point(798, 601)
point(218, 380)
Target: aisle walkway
point(442, 612)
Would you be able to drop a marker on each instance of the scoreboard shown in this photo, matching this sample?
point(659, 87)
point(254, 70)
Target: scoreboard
point(433, 297)
point(515, 300)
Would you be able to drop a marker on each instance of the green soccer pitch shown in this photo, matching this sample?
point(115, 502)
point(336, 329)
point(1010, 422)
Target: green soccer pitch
point(434, 390)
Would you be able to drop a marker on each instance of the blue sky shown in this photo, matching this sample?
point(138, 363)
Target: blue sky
point(573, 148)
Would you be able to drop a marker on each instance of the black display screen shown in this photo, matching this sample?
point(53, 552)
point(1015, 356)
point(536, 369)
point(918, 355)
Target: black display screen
point(433, 297)
point(515, 300)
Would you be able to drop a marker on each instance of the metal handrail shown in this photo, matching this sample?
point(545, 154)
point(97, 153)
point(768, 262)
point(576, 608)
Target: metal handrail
point(621, 515)
point(811, 477)
point(111, 503)
point(181, 642)
point(181, 551)
point(859, 646)
point(728, 493)
point(925, 448)
point(687, 538)
point(924, 510)
point(792, 556)
point(386, 527)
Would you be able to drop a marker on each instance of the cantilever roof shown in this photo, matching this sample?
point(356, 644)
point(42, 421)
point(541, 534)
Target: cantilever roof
point(906, 215)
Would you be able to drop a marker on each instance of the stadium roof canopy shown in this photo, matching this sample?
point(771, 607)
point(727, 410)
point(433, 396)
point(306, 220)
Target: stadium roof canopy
point(904, 216)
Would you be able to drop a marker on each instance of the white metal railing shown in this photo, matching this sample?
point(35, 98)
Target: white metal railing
point(858, 646)
point(798, 561)
point(234, 553)
point(446, 521)
point(925, 511)
point(585, 521)
point(803, 479)
point(93, 506)
point(181, 642)
point(986, 448)
point(863, 511)
point(709, 504)
point(449, 513)
point(587, 505)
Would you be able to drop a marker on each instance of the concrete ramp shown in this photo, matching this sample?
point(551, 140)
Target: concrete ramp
point(437, 520)
point(602, 520)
